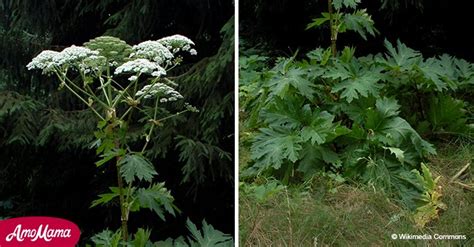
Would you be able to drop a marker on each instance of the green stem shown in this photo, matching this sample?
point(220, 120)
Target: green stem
point(109, 78)
point(101, 80)
point(171, 116)
point(121, 95)
point(123, 206)
point(120, 183)
point(86, 93)
point(83, 100)
point(147, 140)
point(333, 29)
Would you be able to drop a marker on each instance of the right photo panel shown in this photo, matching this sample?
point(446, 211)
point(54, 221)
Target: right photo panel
point(356, 123)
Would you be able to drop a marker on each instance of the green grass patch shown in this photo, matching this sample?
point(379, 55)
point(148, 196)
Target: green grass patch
point(322, 213)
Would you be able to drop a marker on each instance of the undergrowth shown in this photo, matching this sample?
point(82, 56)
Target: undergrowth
point(354, 214)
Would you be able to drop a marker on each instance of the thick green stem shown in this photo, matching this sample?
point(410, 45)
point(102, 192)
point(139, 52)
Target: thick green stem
point(123, 204)
point(333, 29)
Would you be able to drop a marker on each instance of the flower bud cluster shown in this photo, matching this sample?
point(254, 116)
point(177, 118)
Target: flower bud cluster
point(165, 92)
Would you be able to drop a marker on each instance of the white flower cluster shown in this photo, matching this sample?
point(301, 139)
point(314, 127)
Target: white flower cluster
point(141, 65)
point(47, 60)
point(150, 57)
point(43, 61)
point(176, 43)
point(73, 54)
point(152, 50)
point(164, 91)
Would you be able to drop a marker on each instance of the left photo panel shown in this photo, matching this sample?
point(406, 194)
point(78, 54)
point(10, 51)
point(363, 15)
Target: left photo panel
point(117, 123)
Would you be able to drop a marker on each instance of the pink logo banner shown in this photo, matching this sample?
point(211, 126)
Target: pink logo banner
point(38, 231)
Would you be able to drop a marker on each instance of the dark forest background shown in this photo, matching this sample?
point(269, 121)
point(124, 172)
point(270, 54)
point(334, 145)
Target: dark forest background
point(432, 27)
point(46, 165)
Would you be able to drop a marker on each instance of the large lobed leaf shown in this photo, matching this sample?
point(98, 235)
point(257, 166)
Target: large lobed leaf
point(155, 197)
point(136, 166)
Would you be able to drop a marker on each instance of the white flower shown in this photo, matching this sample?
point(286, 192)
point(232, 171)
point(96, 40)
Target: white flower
point(165, 92)
point(193, 52)
point(158, 73)
point(43, 61)
point(133, 78)
point(152, 50)
point(178, 43)
point(143, 66)
point(73, 54)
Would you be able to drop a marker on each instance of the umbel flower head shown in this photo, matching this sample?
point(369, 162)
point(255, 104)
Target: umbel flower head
point(153, 51)
point(161, 90)
point(44, 61)
point(176, 43)
point(148, 57)
point(141, 66)
point(72, 56)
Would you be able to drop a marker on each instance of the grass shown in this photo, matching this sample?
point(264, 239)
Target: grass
point(356, 215)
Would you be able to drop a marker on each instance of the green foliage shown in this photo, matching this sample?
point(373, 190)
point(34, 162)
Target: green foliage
point(105, 198)
point(107, 238)
point(136, 166)
point(292, 126)
point(448, 114)
point(357, 117)
point(208, 236)
point(346, 3)
point(355, 80)
point(262, 192)
point(156, 198)
point(430, 203)
point(340, 21)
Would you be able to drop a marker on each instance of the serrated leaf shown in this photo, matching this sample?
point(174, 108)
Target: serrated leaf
point(321, 126)
point(361, 22)
point(399, 154)
point(135, 165)
point(340, 71)
point(447, 114)
point(338, 4)
point(209, 236)
point(363, 85)
point(295, 78)
point(107, 238)
point(141, 237)
point(272, 147)
point(288, 113)
point(388, 107)
point(393, 130)
point(156, 197)
point(315, 158)
point(320, 55)
point(318, 21)
point(401, 58)
point(433, 73)
point(105, 198)
point(109, 155)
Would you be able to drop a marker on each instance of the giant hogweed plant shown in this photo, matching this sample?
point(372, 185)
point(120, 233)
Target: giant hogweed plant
point(353, 116)
point(126, 87)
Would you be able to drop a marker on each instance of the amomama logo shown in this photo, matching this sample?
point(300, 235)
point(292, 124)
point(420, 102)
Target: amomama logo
point(38, 231)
